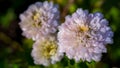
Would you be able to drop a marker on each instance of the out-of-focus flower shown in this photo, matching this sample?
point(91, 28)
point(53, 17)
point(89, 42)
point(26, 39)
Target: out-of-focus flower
point(46, 51)
point(83, 36)
point(40, 19)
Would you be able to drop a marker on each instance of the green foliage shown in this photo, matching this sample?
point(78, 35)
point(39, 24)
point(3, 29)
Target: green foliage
point(7, 18)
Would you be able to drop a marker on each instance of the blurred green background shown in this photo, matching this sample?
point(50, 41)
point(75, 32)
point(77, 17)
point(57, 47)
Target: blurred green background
point(15, 50)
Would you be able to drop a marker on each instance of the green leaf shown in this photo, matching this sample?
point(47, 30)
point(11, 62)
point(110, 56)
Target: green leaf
point(7, 18)
point(72, 8)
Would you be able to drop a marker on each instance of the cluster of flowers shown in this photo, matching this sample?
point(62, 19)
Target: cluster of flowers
point(83, 36)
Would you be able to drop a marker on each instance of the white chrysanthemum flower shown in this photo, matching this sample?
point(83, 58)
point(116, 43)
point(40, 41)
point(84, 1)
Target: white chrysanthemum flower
point(46, 51)
point(83, 36)
point(40, 19)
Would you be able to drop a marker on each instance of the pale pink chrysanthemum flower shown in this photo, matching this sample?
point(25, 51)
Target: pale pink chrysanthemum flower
point(40, 19)
point(46, 51)
point(83, 36)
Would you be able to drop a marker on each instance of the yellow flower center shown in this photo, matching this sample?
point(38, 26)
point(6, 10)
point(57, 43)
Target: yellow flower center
point(82, 31)
point(35, 17)
point(84, 28)
point(49, 48)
